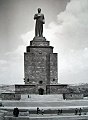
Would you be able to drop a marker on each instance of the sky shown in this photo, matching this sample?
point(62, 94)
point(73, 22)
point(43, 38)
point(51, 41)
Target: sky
point(66, 27)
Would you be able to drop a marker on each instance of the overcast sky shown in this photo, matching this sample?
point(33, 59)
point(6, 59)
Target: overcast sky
point(66, 28)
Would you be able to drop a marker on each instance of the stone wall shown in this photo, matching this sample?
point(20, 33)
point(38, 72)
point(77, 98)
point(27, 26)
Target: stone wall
point(57, 89)
point(42, 98)
point(23, 89)
point(39, 43)
point(40, 64)
point(48, 89)
point(10, 96)
point(40, 49)
point(72, 96)
point(35, 68)
point(53, 69)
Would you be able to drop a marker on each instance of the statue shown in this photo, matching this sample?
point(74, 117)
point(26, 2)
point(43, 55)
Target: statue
point(39, 17)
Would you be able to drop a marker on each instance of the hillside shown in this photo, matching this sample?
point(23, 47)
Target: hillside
point(7, 88)
point(82, 88)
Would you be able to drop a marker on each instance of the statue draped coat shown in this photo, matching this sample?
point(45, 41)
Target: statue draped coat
point(39, 24)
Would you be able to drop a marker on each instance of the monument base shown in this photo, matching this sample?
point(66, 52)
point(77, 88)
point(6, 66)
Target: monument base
point(39, 90)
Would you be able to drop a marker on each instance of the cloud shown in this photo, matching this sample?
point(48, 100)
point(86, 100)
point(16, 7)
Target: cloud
point(3, 62)
point(75, 24)
point(68, 35)
point(27, 37)
point(73, 67)
point(11, 67)
point(74, 34)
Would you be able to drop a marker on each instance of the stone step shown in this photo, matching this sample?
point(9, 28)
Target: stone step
point(31, 97)
point(73, 117)
point(48, 104)
point(2, 113)
point(1, 116)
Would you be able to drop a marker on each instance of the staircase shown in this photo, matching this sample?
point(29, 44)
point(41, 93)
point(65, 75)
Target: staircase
point(43, 98)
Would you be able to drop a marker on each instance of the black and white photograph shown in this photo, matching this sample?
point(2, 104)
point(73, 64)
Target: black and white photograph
point(43, 59)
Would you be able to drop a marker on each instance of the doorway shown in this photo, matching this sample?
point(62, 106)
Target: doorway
point(41, 91)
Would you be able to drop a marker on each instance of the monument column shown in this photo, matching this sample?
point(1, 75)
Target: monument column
point(40, 63)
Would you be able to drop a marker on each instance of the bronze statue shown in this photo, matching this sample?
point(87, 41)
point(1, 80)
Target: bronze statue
point(39, 17)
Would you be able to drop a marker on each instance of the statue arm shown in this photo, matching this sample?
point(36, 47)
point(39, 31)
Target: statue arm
point(43, 20)
point(36, 16)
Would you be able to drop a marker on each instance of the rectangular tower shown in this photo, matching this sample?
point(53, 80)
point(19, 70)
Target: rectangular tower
point(40, 64)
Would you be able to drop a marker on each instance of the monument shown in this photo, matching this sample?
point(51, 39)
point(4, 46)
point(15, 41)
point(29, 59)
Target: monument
point(40, 64)
point(39, 23)
point(41, 77)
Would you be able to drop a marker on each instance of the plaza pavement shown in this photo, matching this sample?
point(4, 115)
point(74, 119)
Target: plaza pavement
point(62, 103)
point(50, 109)
point(48, 117)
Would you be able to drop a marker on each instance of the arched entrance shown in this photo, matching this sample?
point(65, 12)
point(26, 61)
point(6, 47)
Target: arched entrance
point(41, 91)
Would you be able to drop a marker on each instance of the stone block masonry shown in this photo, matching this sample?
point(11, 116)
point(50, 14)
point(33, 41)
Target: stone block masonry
point(40, 65)
point(41, 71)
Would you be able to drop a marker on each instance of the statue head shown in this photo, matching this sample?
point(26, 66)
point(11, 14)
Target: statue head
point(39, 10)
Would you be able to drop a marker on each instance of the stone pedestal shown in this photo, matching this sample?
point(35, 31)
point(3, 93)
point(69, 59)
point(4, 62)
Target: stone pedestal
point(40, 64)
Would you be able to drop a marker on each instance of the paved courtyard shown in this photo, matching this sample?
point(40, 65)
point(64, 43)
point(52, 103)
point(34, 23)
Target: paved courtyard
point(49, 117)
point(61, 103)
point(28, 110)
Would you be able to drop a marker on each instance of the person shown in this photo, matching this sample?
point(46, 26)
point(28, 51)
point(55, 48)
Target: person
point(40, 20)
point(58, 111)
point(80, 110)
point(42, 111)
point(61, 111)
point(16, 112)
point(76, 111)
point(38, 110)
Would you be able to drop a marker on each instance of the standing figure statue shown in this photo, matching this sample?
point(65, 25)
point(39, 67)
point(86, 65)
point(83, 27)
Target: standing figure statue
point(39, 17)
